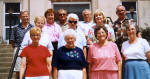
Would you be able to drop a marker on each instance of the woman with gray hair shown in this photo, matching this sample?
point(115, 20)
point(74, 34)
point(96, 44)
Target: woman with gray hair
point(80, 42)
point(69, 61)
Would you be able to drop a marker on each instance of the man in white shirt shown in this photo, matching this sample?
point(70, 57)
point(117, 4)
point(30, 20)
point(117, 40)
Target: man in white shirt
point(87, 23)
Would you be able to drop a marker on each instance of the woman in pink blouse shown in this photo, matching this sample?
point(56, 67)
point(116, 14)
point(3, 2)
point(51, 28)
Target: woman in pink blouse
point(104, 57)
point(51, 27)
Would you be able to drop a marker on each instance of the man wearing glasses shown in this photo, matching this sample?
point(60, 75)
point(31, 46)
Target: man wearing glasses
point(120, 25)
point(62, 16)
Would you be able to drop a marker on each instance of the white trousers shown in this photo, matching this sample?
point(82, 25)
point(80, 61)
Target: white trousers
point(70, 74)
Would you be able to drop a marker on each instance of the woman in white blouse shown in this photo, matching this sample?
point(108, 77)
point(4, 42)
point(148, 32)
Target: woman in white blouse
point(135, 52)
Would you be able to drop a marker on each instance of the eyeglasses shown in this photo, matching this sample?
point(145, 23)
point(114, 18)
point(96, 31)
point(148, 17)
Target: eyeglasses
point(35, 35)
point(75, 22)
point(62, 14)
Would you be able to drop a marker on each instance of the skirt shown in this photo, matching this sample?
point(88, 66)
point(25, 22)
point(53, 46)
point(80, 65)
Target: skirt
point(104, 75)
point(136, 70)
point(70, 74)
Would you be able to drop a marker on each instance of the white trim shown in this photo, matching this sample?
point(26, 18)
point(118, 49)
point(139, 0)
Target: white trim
point(3, 20)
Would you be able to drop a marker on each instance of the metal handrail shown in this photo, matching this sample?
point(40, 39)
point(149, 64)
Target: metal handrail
point(13, 64)
point(110, 20)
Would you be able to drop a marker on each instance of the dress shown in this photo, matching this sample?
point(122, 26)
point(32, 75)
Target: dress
point(68, 61)
point(36, 60)
point(136, 66)
point(103, 61)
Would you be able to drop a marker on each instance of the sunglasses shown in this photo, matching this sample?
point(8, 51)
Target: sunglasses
point(62, 14)
point(75, 22)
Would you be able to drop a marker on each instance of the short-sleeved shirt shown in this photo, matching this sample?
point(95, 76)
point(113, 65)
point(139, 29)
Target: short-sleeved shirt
point(136, 50)
point(36, 60)
point(53, 31)
point(18, 33)
point(80, 39)
point(85, 26)
point(68, 59)
point(105, 57)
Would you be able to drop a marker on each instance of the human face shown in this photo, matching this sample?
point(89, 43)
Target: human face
point(131, 31)
point(121, 12)
point(101, 35)
point(50, 18)
point(35, 38)
point(62, 15)
point(72, 23)
point(70, 40)
point(24, 17)
point(40, 23)
point(87, 16)
point(99, 18)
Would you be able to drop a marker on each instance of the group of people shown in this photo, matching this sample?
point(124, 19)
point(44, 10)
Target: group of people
point(73, 49)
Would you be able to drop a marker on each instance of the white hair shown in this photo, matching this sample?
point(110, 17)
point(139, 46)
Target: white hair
point(72, 15)
point(69, 32)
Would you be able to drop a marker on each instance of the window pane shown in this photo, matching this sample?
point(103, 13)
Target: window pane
point(7, 33)
point(14, 7)
point(132, 15)
point(72, 8)
point(129, 5)
point(11, 19)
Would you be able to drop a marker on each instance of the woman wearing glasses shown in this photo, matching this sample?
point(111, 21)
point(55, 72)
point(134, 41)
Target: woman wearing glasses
point(80, 42)
point(35, 58)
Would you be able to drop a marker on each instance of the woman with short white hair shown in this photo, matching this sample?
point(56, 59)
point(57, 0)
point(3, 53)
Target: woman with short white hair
point(80, 42)
point(69, 61)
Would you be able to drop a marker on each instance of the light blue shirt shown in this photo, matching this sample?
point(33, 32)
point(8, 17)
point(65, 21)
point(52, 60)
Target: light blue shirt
point(80, 39)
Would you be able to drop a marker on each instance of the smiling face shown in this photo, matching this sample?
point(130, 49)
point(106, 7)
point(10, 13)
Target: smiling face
point(87, 16)
point(39, 22)
point(70, 40)
point(50, 18)
point(72, 22)
point(24, 16)
point(35, 34)
point(121, 12)
point(101, 35)
point(131, 31)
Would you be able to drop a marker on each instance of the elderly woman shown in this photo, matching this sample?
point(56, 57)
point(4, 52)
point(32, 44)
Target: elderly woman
point(80, 42)
point(100, 20)
point(52, 28)
point(135, 51)
point(69, 61)
point(104, 57)
point(35, 58)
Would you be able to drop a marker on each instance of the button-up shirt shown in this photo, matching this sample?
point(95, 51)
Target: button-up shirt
point(18, 33)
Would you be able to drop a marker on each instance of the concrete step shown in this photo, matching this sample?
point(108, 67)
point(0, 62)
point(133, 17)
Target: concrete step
point(6, 54)
point(6, 59)
point(4, 69)
point(5, 75)
point(4, 50)
point(5, 64)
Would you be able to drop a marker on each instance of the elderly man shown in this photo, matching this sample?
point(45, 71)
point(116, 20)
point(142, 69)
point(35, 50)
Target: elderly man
point(87, 23)
point(18, 33)
point(120, 25)
point(62, 16)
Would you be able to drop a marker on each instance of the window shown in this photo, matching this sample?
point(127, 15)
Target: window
point(131, 8)
point(72, 7)
point(11, 12)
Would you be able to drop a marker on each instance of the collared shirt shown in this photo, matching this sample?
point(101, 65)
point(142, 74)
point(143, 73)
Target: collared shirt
point(18, 33)
point(85, 26)
point(53, 31)
point(63, 26)
point(80, 39)
point(44, 40)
